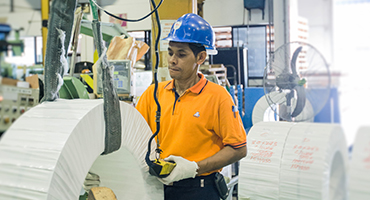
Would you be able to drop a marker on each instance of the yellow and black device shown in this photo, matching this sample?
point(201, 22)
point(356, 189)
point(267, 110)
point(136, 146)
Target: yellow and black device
point(161, 168)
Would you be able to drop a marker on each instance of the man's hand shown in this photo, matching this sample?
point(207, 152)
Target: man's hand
point(91, 180)
point(184, 169)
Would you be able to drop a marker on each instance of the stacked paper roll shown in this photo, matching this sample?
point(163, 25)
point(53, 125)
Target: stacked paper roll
point(314, 163)
point(259, 171)
point(259, 110)
point(48, 151)
point(359, 173)
point(262, 111)
point(311, 163)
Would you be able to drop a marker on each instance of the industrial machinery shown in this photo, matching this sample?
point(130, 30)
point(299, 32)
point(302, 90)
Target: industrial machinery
point(14, 101)
point(73, 88)
point(16, 46)
point(81, 73)
point(122, 80)
point(296, 82)
point(109, 30)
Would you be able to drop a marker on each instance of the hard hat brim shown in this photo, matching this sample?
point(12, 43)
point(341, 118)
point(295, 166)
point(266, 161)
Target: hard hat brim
point(210, 51)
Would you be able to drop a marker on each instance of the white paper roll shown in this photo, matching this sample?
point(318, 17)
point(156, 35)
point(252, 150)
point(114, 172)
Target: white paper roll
point(259, 110)
point(359, 172)
point(314, 163)
point(48, 151)
point(259, 171)
point(309, 161)
point(263, 112)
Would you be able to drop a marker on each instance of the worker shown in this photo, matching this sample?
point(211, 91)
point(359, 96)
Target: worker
point(200, 127)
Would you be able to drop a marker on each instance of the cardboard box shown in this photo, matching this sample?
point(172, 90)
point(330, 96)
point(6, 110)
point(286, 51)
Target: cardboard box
point(9, 81)
point(34, 81)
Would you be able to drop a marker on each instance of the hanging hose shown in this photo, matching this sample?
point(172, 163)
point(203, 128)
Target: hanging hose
point(59, 34)
point(112, 114)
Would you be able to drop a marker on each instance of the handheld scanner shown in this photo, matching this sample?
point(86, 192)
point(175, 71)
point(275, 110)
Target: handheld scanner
point(161, 168)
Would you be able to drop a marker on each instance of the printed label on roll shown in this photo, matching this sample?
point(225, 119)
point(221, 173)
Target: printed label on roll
point(314, 163)
point(293, 161)
point(259, 171)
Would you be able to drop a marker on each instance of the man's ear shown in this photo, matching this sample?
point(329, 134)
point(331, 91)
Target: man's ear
point(201, 57)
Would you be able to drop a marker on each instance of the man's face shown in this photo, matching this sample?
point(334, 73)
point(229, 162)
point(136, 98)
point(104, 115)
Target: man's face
point(182, 63)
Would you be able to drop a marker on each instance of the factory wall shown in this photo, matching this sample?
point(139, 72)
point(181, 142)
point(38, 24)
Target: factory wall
point(232, 12)
point(23, 16)
point(216, 12)
point(320, 20)
point(134, 9)
point(318, 13)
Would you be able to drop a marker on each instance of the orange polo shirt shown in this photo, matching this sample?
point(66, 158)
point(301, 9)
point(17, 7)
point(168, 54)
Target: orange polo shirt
point(196, 125)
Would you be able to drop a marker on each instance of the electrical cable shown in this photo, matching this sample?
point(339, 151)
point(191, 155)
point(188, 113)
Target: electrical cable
point(158, 113)
point(129, 20)
point(153, 165)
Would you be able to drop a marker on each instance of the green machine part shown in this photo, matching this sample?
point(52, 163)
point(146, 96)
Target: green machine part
point(17, 44)
point(109, 30)
point(73, 88)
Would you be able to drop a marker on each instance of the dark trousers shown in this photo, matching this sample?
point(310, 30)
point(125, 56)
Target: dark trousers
point(198, 188)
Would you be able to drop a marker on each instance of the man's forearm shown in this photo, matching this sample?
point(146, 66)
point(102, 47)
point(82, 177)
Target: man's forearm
point(226, 156)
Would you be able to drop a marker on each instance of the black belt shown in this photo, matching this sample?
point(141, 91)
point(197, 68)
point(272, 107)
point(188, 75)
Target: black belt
point(198, 181)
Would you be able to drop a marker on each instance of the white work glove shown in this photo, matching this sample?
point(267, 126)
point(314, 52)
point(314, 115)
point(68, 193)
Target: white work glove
point(91, 180)
point(184, 169)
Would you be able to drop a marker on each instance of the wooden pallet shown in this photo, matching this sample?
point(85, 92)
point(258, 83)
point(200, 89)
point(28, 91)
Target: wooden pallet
point(218, 70)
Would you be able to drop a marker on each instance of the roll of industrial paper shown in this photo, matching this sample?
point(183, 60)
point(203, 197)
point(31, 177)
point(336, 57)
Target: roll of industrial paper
point(48, 151)
point(359, 172)
point(262, 111)
point(309, 161)
point(259, 171)
point(314, 163)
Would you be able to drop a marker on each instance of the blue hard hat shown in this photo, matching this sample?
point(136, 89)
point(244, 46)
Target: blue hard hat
point(192, 28)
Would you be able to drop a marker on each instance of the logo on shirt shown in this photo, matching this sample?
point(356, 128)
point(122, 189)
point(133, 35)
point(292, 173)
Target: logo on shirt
point(196, 114)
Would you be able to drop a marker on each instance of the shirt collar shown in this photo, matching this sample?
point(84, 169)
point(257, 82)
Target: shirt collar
point(197, 88)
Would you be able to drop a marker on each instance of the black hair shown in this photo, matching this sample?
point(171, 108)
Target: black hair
point(196, 48)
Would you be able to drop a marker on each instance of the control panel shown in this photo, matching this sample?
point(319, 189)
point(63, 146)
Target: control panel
point(14, 101)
